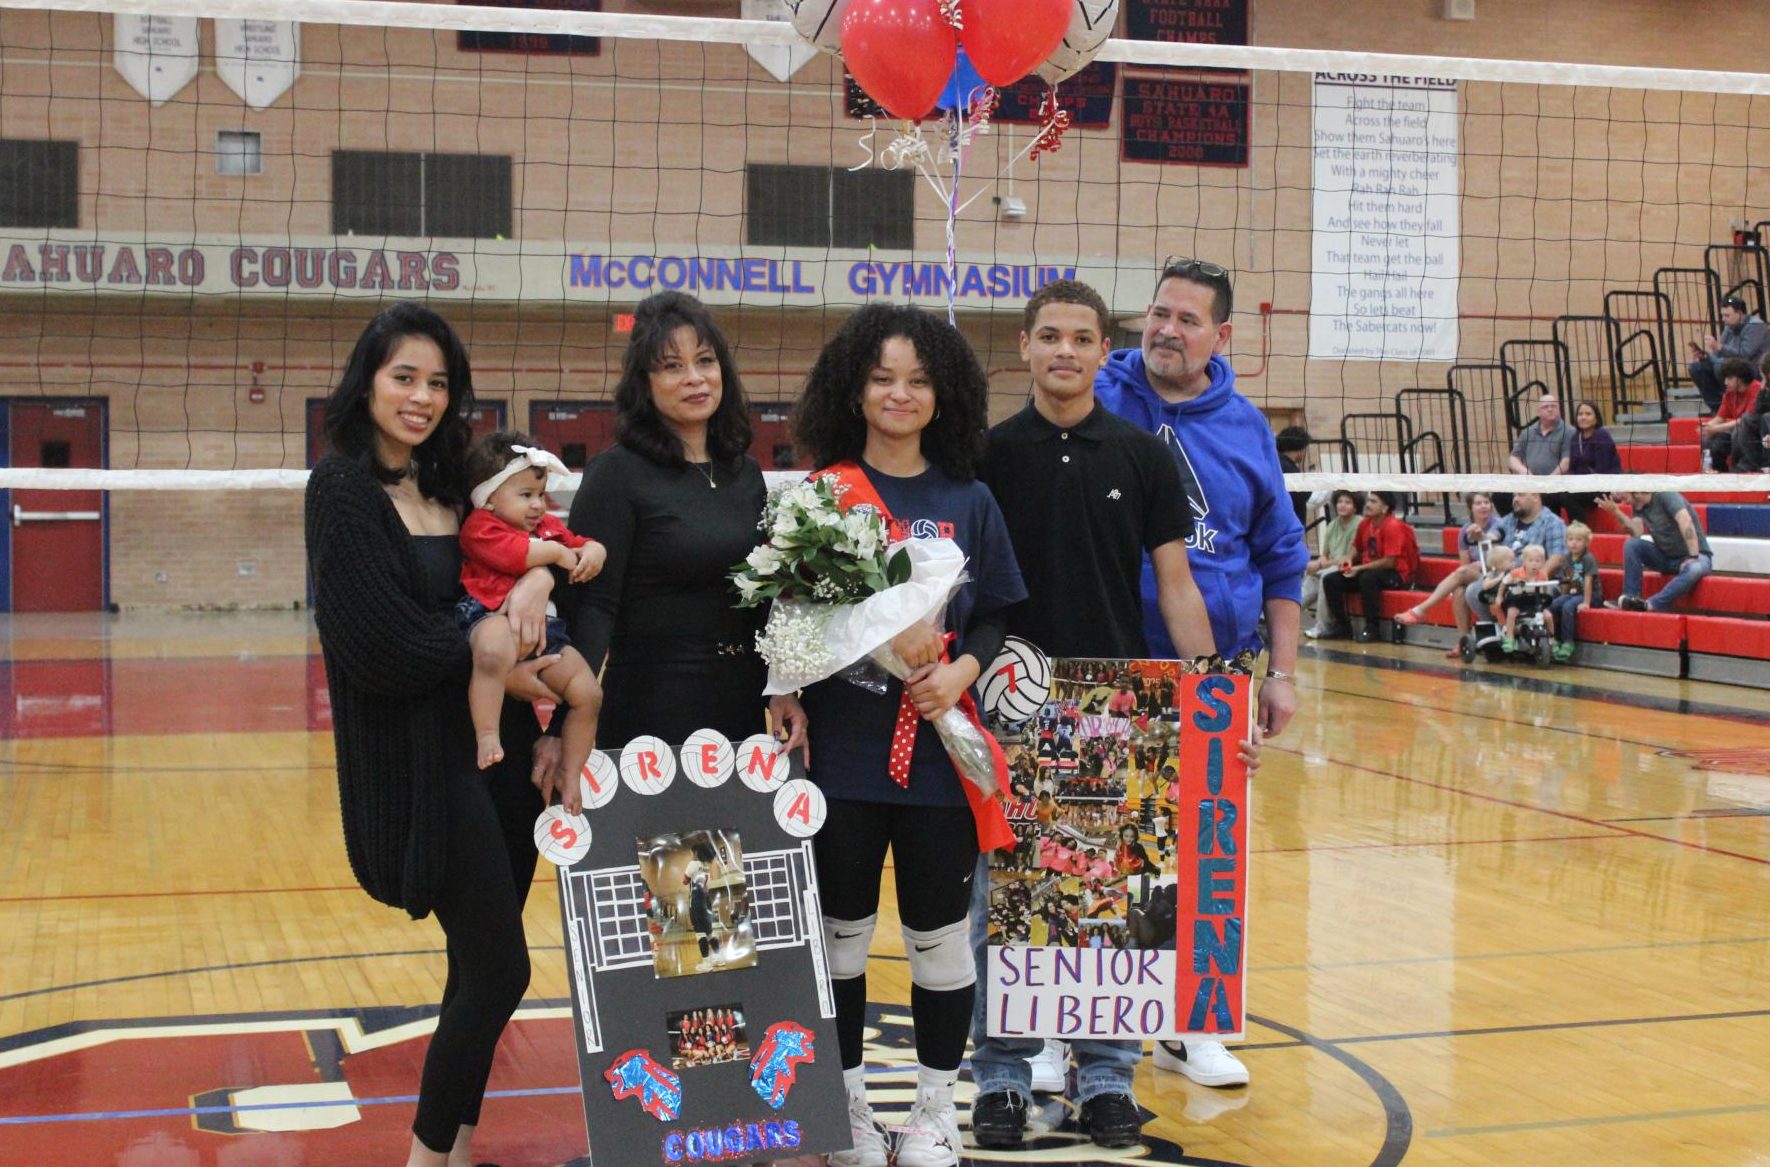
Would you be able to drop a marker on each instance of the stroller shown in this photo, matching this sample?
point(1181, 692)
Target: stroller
point(1532, 639)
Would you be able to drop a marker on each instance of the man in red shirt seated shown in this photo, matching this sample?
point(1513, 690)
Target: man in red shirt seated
point(1741, 385)
point(1385, 556)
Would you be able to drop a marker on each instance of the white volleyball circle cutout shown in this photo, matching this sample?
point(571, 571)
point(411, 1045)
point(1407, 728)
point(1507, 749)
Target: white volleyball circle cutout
point(1018, 683)
point(1090, 25)
point(648, 765)
point(561, 838)
point(706, 758)
point(599, 780)
point(761, 763)
point(820, 22)
point(800, 809)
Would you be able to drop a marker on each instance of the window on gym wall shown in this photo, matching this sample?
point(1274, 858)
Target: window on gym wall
point(820, 206)
point(39, 183)
point(464, 196)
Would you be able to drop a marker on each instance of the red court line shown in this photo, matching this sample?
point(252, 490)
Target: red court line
point(1437, 843)
point(1512, 802)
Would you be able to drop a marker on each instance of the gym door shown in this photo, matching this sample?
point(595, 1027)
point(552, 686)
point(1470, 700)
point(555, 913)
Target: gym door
point(55, 549)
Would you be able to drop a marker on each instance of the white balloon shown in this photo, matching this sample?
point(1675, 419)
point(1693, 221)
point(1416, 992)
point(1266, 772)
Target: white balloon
point(1091, 25)
point(820, 22)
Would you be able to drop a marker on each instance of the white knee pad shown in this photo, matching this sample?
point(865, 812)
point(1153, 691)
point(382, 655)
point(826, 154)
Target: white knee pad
point(847, 942)
point(941, 959)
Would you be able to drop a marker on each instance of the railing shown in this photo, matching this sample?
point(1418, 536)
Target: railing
point(1389, 438)
point(1695, 297)
point(1647, 310)
point(1537, 367)
point(1744, 268)
point(1488, 391)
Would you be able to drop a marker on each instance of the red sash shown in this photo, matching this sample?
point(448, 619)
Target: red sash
point(993, 831)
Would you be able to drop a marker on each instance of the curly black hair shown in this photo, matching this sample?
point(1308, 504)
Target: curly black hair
point(638, 424)
point(441, 459)
point(827, 422)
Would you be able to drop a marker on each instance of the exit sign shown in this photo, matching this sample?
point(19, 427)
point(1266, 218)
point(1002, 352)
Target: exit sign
point(623, 322)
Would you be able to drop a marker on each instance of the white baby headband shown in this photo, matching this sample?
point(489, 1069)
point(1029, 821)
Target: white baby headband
point(523, 458)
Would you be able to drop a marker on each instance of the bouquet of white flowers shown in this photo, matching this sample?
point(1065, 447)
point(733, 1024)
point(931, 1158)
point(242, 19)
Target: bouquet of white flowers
point(841, 593)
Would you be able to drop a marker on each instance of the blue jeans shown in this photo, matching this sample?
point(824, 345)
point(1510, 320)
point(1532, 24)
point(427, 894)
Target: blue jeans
point(1565, 609)
point(1639, 553)
point(1003, 1063)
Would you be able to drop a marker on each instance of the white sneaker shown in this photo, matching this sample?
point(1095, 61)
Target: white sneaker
point(1050, 1068)
point(930, 1135)
point(869, 1148)
point(1209, 1063)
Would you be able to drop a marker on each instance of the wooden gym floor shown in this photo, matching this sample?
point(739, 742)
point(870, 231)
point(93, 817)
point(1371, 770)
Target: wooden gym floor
point(1498, 916)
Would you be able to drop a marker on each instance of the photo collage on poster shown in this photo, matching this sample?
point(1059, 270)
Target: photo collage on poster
point(696, 905)
point(707, 1037)
point(1093, 786)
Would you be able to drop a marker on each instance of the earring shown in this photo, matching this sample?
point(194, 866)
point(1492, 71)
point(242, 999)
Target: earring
point(936, 416)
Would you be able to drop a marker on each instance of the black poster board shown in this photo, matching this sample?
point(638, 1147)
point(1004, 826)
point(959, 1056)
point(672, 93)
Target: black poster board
point(541, 44)
point(704, 1019)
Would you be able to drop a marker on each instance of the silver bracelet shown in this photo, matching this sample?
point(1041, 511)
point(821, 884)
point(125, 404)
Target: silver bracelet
point(1275, 675)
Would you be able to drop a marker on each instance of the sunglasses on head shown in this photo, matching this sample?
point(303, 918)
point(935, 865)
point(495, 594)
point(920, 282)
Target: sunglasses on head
point(1185, 268)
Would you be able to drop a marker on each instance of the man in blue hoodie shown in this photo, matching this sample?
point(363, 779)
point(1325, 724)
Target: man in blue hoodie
point(1246, 549)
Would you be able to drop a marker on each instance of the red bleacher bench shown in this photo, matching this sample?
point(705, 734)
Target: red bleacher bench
point(1742, 595)
point(1663, 630)
point(1684, 431)
point(1726, 636)
point(1661, 459)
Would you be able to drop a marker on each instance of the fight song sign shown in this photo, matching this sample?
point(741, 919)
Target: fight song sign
point(1122, 910)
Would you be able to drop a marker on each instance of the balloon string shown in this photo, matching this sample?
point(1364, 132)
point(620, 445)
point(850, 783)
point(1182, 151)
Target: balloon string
point(866, 146)
point(952, 219)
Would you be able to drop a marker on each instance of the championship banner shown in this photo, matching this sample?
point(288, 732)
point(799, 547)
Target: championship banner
point(1122, 911)
point(705, 1024)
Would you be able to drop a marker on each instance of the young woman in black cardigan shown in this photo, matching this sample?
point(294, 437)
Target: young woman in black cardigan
point(424, 828)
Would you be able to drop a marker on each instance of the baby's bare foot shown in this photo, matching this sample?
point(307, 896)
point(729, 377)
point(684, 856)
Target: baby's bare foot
point(491, 749)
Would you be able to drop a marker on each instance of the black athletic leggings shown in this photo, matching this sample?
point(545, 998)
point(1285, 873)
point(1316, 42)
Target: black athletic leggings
point(934, 852)
point(491, 862)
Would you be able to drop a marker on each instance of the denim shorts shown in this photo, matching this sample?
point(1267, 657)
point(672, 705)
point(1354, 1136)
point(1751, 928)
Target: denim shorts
point(469, 611)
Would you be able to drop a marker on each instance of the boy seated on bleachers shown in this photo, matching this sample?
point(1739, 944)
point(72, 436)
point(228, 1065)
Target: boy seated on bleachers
point(1516, 599)
point(1581, 588)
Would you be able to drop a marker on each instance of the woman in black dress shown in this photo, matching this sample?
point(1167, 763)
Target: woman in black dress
point(677, 502)
point(425, 829)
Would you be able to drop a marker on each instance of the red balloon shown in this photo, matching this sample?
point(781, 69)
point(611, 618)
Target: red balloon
point(1007, 39)
point(901, 52)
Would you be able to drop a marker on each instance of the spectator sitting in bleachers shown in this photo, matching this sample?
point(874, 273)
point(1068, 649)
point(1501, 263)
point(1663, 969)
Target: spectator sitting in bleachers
point(1484, 593)
point(1544, 448)
point(1742, 385)
point(1530, 522)
point(1669, 538)
point(1481, 529)
point(1751, 437)
point(1744, 336)
point(1592, 451)
point(1385, 557)
point(1336, 548)
point(1515, 600)
point(1581, 588)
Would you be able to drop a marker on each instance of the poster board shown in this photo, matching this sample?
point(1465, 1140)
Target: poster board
point(1122, 912)
point(704, 1022)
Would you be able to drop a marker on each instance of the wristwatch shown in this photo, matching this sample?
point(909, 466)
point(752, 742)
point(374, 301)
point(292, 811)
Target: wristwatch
point(1275, 675)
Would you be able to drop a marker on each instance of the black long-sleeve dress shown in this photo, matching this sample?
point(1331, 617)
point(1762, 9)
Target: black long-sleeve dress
point(663, 612)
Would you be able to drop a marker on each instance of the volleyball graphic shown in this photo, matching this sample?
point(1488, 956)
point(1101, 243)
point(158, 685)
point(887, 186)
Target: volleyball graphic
point(1016, 685)
point(648, 765)
point(599, 780)
point(706, 758)
point(561, 838)
point(820, 22)
point(799, 808)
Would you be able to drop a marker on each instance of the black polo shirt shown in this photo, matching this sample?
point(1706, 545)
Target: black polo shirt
point(1083, 505)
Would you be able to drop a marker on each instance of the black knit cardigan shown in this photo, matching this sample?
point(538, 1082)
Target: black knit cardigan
point(397, 672)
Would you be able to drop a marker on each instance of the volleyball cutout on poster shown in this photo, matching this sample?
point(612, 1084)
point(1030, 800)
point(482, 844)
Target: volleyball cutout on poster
point(694, 943)
point(1017, 683)
point(1121, 911)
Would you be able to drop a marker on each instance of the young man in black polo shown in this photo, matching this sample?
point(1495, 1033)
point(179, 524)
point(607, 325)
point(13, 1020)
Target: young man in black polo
point(1085, 493)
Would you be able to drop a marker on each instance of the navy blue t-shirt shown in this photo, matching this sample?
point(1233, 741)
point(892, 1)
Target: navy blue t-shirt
point(851, 727)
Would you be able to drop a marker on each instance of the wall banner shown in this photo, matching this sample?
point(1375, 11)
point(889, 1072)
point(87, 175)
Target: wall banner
point(1387, 238)
point(1122, 913)
point(258, 59)
point(157, 55)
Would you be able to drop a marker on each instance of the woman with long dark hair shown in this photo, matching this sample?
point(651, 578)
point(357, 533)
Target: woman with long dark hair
point(1590, 451)
point(896, 408)
point(425, 829)
point(676, 502)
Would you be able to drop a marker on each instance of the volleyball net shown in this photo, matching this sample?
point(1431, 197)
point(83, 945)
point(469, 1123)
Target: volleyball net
point(202, 202)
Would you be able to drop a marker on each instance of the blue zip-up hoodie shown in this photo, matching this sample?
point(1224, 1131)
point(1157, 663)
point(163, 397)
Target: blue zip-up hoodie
point(1246, 545)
